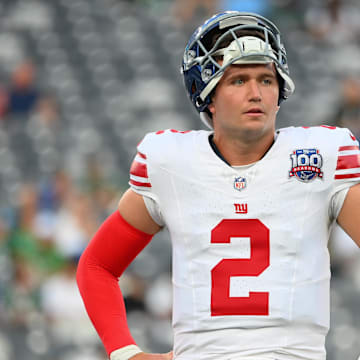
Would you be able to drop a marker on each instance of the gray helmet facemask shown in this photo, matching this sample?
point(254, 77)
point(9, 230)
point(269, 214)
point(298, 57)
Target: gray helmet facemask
point(245, 50)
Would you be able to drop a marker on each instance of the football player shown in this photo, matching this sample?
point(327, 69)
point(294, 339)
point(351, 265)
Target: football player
point(248, 207)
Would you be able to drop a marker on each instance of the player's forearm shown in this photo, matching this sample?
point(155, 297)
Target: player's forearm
point(104, 303)
point(111, 250)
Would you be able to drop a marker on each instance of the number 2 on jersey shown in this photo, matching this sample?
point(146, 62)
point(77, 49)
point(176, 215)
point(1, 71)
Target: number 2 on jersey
point(257, 303)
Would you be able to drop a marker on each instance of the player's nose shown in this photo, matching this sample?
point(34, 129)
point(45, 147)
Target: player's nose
point(254, 92)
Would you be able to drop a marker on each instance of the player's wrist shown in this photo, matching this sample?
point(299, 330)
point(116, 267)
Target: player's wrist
point(125, 353)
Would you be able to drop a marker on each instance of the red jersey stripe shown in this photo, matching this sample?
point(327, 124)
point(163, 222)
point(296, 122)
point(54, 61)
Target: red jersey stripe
point(347, 176)
point(141, 184)
point(138, 169)
point(141, 155)
point(348, 162)
point(350, 147)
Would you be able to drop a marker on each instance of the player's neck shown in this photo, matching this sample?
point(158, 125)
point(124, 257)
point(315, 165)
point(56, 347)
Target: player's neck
point(236, 152)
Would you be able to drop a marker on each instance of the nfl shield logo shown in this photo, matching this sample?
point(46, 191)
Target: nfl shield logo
point(240, 183)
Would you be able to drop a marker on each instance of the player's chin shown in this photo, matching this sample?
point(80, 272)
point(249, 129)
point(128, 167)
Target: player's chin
point(255, 129)
point(257, 123)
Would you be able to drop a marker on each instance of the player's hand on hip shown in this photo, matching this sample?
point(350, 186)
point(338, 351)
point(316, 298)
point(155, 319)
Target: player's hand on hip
point(145, 356)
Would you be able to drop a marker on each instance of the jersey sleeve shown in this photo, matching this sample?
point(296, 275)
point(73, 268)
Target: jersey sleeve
point(140, 180)
point(347, 172)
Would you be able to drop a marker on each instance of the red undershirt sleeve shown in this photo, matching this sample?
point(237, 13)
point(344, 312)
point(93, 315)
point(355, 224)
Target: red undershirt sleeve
point(112, 249)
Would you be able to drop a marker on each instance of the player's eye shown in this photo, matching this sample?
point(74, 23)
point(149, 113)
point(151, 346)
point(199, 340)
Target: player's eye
point(267, 81)
point(238, 81)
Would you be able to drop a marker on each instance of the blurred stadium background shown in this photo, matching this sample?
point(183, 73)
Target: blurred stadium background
point(81, 82)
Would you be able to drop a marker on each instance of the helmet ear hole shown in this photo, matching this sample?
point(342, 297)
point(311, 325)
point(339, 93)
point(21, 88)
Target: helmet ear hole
point(193, 87)
point(198, 102)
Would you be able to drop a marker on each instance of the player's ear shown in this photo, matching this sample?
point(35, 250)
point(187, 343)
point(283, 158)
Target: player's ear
point(211, 108)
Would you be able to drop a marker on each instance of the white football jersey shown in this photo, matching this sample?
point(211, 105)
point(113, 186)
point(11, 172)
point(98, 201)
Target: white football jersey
point(250, 259)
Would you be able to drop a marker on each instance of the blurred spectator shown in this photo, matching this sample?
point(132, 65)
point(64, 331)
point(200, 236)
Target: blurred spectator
point(48, 134)
point(3, 102)
point(52, 193)
point(94, 177)
point(62, 305)
point(6, 267)
point(22, 297)
point(23, 94)
point(26, 245)
point(133, 288)
point(75, 224)
point(47, 114)
point(95, 184)
point(62, 187)
point(186, 12)
point(334, 21)
point(105, 199)
point(348, 113)
point(159, 297)
point(345, 255)
point(34, 258)
point(158, 300)
point(261, 7)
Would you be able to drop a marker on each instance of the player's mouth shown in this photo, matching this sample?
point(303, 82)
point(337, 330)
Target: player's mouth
point(254, 112)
